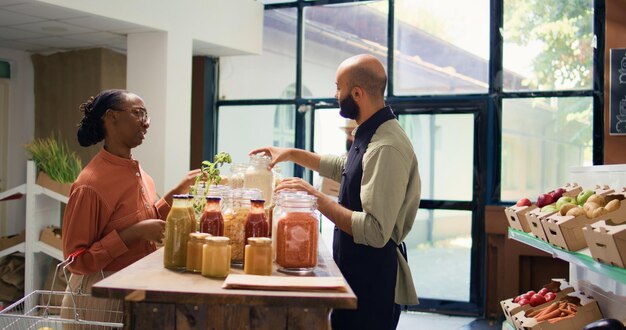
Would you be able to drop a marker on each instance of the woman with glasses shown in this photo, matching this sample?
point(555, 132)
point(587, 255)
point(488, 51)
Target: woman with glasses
point(113, 210)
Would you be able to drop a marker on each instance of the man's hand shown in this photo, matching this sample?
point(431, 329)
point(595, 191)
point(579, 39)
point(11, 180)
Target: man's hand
point(277, 154)
point(151, 230)
point(299, 185)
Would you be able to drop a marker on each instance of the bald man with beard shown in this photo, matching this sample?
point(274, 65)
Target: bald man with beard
point(378, 198)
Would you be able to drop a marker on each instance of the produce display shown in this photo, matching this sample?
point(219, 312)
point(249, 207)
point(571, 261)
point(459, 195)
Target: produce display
point(535, 299)
point(554, 312)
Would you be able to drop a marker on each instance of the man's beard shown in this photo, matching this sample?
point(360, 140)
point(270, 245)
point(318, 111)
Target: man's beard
point(348, 108)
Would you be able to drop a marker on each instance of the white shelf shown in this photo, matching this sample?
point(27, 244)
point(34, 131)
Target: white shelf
point(15, 248)
point(21, 189)
point(49, 250)
point(54, 195)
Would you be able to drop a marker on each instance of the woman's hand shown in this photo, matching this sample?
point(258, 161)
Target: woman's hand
point(183, 187)
point(188, 180)
point(277, 154)
point(150, 230)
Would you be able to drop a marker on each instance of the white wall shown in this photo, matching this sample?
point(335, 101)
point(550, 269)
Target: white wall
point(21, 129)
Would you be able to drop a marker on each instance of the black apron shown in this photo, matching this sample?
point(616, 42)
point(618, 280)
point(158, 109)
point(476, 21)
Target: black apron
point(371, 272)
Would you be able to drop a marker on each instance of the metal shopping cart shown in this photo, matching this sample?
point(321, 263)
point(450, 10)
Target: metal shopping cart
point(35, 310)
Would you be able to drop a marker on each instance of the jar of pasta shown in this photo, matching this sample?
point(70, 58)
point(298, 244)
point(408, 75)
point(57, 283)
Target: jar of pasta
point(236, 209)
point(177, 229)
point(297, 232)
point(259, 176)
point(216, 254)
point(258, 256)
point(194, 252)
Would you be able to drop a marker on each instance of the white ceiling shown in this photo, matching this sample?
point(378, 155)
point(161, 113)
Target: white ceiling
point(37, 27)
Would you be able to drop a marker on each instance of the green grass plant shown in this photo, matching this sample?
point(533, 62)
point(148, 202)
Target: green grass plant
point(53, 157)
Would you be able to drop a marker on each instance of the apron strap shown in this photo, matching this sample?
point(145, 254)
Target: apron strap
point(402, 248)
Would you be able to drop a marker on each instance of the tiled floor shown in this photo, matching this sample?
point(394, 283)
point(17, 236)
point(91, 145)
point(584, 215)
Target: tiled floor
point(430, 321)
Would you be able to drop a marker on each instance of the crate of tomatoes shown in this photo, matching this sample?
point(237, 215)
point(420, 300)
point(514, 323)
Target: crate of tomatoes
point(573, 311)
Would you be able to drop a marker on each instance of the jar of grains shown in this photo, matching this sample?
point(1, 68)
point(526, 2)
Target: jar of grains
point(259, 176)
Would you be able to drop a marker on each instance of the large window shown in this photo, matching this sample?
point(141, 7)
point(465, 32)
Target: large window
point(497, 106)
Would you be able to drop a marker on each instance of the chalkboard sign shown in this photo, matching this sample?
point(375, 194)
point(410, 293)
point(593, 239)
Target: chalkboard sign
point(617, 105)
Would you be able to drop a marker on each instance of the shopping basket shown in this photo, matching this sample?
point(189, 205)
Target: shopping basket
point(35, 311)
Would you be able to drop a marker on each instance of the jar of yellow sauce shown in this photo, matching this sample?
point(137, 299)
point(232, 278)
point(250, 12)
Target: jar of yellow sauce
point(258, 256)
point(177, 230)
point(194, 251)
point(216, 256)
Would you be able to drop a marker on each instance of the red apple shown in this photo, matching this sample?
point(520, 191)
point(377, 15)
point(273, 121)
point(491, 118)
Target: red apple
point(557, 193)
point(543, 200)
point(537, 300)
point(543, 291)
point(530, 293)
point(550, 296)
point(517, 299)
point(523, 302)
point(524, 202)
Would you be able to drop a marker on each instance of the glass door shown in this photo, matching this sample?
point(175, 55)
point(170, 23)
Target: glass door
point(444, 244)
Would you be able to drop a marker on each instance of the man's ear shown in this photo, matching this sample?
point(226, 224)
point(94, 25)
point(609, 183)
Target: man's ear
point(357, 92)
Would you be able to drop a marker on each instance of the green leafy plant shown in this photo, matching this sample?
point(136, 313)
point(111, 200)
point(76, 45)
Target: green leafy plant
point(210, 176)
point(54, 158)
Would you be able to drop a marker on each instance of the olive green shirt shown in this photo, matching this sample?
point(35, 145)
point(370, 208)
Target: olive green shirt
point(390, 196)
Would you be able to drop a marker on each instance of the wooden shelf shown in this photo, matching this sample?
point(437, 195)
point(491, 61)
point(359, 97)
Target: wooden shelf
point(21, 189)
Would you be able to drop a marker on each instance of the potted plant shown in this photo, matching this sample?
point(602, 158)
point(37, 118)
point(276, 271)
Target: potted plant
point(58, 166)
point(210, 176)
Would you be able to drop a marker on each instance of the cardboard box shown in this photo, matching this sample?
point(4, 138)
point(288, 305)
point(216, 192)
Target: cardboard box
point(45, 181)
point(558, 286)
point(607, 241)
point(516, 215)
point(567, 231)
point(52, 236)
point(587, 312)
point(572, 189)
point(12, 240)
point(534, 221)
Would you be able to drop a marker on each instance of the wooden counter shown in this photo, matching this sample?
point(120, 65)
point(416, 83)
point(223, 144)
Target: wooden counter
point(159, 298)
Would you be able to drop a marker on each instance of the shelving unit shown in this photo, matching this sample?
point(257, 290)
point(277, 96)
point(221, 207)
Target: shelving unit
point(21, 189)
point(606, 283)
point(43, 208)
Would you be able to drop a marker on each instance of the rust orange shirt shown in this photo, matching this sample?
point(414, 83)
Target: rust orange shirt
point(110, 194)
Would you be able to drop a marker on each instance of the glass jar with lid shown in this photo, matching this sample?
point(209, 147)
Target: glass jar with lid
point(258, 256)
point(236, 209)
point(297, 233)
point(212, 221)
point(178, 226)
point(258, 175)
point(256, 223)
point(216, 254)
point(194, 252)
point(237, 175)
